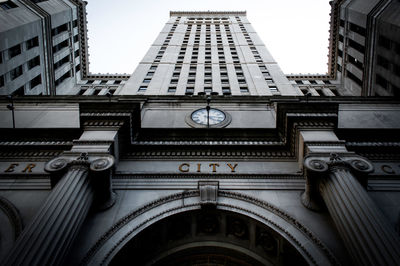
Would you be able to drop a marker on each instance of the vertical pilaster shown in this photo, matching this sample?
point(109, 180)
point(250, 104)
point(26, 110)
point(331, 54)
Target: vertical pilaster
point(365, 231)
point(46, 240)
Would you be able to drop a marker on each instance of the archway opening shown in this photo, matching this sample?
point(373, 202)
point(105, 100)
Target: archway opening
point(208, 237)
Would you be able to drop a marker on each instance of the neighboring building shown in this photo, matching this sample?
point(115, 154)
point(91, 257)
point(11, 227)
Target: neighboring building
point(368, 50)
point(206, 155)
point(39, 47)
point(43, 50)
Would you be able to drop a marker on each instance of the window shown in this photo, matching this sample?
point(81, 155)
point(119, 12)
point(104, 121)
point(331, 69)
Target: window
point(358, 29)
point(172, 89)
point(76, 38)
point(76, 53)
point(59, 29)
point(16, 72)
point(226, 90)
point(381, 81)
point(35, 81)
point(174, 81)
point(64, 77)
point(244, 89)
point(384, 42)
point(34, 42)
point(383, 62)
point(14, 51)
point(1, 81)
point(8, 5)
point(146, 80)
point(63, 61)
point(77, 68)
point(34, 62)
point(60, 46)
point(189, 91)
point(356, 46)
point(354, 78)
point(142, 88)
point(153, 67)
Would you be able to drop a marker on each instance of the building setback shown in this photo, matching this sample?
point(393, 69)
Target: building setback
point(207, 154)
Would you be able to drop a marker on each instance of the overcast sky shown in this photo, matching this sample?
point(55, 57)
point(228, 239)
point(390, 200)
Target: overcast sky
point(294, 31)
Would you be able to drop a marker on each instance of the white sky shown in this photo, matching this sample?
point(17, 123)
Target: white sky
point(294, 31)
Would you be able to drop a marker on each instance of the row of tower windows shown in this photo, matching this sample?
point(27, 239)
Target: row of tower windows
point(18, 49)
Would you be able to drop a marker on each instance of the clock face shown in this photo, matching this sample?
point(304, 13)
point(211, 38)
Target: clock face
point(215, 116)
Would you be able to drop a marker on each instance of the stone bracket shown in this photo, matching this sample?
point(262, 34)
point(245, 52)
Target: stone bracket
point(208, 192)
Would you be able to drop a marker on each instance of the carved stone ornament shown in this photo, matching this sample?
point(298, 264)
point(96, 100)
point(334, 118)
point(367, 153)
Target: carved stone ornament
point(96, 163)
point(320, 163)
point(208, 192)
point(102, 164)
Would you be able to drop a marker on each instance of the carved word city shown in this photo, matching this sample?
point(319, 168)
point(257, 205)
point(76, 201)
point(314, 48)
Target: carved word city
point(213, 167)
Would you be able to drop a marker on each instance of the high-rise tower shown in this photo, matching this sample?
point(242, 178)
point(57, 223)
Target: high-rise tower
point(217, 52)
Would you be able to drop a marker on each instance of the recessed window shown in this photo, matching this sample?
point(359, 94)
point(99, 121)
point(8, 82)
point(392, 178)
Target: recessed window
point(189, 91)
point(59, 29)
point(244, 89)
point(153, 67)
point(60, 46)
point(14, 51)
point(172, 89)
point(63, 61)
point(16, 72)
point(1, 80)
point(142, 88)
point(34, 42)
point(7, 5)
point(35, 81)
point(34, 62)
point(146, 80)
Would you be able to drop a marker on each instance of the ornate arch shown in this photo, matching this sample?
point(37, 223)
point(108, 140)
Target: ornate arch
point(298, 235)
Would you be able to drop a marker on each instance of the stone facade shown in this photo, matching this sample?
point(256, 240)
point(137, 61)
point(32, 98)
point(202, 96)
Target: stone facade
point(158, 177)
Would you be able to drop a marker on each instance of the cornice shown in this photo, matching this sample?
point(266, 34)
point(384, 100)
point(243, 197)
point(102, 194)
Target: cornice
point(205, 13)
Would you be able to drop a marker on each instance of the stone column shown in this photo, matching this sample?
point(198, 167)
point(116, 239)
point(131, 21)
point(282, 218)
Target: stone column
point(46, 240)
point(368, 236)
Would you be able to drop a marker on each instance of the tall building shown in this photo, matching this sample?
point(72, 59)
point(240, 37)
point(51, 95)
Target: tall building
point(369, 47)
point(208, 52)
point(206, 155)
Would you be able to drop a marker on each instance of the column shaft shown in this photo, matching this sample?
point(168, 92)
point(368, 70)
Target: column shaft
point(364, 229)
point(47, 238)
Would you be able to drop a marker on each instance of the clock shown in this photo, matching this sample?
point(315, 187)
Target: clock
point(215, 117)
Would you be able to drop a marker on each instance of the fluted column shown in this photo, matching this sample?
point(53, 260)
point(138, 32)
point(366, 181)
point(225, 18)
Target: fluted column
point(47, 239)
point(367, 234)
